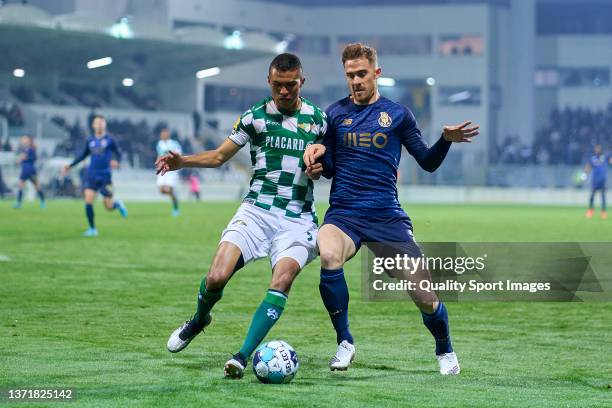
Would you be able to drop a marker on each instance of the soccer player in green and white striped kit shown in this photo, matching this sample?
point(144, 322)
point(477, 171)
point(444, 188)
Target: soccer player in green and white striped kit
point(277, 218)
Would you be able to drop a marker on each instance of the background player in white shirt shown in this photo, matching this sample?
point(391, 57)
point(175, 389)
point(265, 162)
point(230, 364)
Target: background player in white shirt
point(168, 182)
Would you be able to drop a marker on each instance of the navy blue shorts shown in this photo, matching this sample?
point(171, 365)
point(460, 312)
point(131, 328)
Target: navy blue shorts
point(101, 183)
point(598, 185)
point(28, 174)
point(387, 229)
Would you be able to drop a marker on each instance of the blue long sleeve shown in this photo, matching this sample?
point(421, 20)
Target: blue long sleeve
point(115, 150)
point(84, 153)
point(429, 158)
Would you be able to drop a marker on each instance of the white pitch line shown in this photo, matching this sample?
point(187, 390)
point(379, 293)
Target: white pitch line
point(4, 258)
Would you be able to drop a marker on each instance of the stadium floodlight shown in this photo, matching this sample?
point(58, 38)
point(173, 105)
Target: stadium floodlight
point(459, 97)
point(281, 46)
point(127, 82)
point(385, 81)
point(233, 41)
point(19, 72)
point(205, 73)
point(431, 81)
point(100, 62)
point(122, 29)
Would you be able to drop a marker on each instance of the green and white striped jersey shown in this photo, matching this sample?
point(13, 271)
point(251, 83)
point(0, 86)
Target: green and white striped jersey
point(278, 141)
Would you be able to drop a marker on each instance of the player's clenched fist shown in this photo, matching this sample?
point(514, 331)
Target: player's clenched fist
point(311, 155)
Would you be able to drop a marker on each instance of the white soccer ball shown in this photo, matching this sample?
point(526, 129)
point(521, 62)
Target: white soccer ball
point(275, 362)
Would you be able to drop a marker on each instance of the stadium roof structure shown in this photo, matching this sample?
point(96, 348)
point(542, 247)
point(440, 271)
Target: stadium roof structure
point(33, 40)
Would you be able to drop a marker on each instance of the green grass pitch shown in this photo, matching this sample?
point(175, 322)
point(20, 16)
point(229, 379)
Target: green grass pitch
point(95, 314)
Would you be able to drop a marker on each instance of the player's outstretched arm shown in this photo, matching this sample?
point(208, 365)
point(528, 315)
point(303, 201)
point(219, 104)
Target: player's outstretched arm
point(207, 159)
point(84, 153)
point(430, 158)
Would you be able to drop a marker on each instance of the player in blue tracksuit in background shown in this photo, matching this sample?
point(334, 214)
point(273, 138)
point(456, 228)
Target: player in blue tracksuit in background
point(362, 150)
point(101, 147)
point(598, 167)
point(27, 160)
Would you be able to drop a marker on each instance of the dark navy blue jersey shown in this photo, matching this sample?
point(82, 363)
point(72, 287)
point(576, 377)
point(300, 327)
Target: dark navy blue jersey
point(29, 161)
point(101, 150)
point(363, 151)
point(599, 166)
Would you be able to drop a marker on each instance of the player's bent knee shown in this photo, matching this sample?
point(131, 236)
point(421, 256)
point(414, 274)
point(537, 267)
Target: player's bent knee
point(282, 283)
point(330, 259)
point(216, 279)
point(427, 305)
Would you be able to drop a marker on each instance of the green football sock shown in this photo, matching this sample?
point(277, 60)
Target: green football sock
point(206, 301)
point(264, 318)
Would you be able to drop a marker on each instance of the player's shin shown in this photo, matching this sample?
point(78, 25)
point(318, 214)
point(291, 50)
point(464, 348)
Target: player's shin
point(266, 315)
point(89, 212)
point(175, 204)
point(437, 324)
point(335, 296)
point(206, 301)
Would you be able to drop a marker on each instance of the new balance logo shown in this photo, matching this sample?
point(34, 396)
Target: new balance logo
point(272, 123)
point(272, 314)
point(337, 312)
point(309, 235)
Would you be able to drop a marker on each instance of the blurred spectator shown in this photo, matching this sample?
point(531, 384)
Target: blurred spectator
point(6, 146)
point(3, 188)
point(209, 144)
point(197, 122)
point(567, 139)
point(12, 113)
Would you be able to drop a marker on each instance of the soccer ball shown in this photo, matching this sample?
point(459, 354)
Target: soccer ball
point(275, 362)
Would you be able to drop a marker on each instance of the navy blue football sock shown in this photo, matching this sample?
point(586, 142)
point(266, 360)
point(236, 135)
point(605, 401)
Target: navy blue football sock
point(90, 215)
point(41, 196)
point(437, 323)
point(335, 295)
point(19, 196)
point(175, 204)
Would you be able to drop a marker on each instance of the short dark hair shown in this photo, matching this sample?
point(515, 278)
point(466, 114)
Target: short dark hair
point(97, 115)
point(358, 50)
point(285, 62)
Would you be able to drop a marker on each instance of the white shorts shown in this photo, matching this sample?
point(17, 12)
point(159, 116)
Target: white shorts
point(260, 233)
point(170, 179)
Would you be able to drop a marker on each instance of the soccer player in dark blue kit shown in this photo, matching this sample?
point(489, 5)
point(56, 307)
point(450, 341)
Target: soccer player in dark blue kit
point(598, 167)
point(361, 151)
point(27, 160)
point(101, 147)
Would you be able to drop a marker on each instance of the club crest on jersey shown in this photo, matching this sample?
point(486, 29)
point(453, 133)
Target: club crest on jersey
point(305, 127)
point(347, 122)
point(384, 120)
